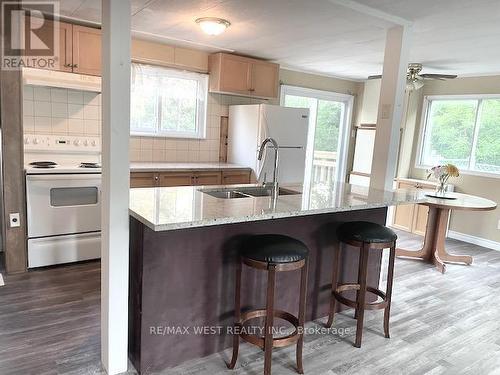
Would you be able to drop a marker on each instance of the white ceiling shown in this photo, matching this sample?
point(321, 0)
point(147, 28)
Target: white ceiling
point(450, 36)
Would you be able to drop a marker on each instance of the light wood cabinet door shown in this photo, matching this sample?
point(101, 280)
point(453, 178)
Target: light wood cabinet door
point(420, 219)
point(235, 74)
point(143, 180)
point(235, 177)
point(244, 76)
point(265, 79)
point(413, 217)
point(65, 47)
point(167, 179)
point(63, 58)
point(208, 178)
point(403, 217)
point(404, 214)
point(86, 50)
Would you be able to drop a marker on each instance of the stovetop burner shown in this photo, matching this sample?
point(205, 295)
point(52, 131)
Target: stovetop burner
point(43, 164)
point(89, 165)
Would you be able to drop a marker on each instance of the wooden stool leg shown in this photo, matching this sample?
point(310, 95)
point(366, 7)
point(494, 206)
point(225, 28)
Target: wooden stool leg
point(335, 276)
point(390, 276)
point(237, 316)
point(268, 333)
point(360, 273)
point(362, 294)
point(302, 316)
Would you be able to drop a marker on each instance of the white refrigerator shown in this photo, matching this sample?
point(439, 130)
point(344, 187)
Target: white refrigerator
point(249, 125)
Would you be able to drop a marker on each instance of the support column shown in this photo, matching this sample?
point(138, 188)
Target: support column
point(116, 39)
point(390, 108)
point(12, 195)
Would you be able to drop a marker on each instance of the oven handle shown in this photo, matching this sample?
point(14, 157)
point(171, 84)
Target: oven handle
point(59, 177)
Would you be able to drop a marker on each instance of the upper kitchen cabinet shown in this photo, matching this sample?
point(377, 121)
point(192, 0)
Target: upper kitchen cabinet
point(238, 75)
point(86, 50)
point(79, 48)
point(170, 56)
point(63, 59)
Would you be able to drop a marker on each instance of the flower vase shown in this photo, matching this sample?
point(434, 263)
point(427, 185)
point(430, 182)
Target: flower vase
point(441, 189)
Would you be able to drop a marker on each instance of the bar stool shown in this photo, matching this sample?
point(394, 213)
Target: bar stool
point(272, 253)
point(366, 236)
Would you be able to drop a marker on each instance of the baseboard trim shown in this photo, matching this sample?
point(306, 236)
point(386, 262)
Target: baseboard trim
point(493, 245)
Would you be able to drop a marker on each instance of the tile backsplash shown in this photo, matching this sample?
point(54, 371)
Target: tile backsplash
point(53, 111)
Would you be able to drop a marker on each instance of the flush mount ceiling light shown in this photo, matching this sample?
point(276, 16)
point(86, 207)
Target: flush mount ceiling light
point(213, 25)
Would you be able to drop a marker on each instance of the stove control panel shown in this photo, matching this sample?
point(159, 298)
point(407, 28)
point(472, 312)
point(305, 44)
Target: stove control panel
point(62, 143)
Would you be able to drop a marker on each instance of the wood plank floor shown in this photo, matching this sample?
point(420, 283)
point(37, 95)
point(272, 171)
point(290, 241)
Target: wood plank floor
point(441, 324)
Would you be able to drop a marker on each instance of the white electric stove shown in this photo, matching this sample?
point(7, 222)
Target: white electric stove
point(63, 196)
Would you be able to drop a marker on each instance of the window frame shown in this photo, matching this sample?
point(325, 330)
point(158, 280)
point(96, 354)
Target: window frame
point(428, 99)
point(201, 110)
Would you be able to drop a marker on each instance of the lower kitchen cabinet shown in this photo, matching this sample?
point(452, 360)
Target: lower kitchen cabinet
point(166, 179)
point(412, 217)
point(189, 178)
point(143, 180)
point(207, 178)
point(235, 177)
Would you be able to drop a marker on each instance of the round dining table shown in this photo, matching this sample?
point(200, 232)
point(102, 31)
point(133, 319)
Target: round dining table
point(434, 250)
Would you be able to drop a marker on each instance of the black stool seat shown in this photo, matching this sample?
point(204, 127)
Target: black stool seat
point(274, 248)
point(364, 231)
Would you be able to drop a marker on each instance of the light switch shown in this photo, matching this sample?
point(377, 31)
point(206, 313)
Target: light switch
point(386, 111)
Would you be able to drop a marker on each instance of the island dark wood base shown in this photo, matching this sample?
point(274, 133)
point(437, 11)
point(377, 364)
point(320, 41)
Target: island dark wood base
point(434, 250)
point(181, 299)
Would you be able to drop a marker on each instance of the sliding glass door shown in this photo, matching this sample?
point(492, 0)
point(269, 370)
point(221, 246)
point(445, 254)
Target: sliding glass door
point(329, 121)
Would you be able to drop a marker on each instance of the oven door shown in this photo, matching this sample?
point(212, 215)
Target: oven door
point(63, 204)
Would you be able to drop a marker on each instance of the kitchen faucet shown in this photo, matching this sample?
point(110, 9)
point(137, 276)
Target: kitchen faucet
point(275, 171)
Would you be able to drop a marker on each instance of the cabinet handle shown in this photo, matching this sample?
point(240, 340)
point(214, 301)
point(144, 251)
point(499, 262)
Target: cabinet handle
point(74, 66)
point(251, 90)
point(67, 65)
point(157, 178)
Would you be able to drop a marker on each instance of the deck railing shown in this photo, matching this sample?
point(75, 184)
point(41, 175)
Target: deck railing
point(324, 165)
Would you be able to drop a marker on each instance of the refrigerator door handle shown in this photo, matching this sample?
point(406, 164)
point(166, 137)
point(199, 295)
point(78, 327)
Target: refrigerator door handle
point(284, 147)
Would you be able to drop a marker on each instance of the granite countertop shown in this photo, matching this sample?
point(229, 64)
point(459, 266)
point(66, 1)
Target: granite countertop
point(171, 208)
point(162, 166)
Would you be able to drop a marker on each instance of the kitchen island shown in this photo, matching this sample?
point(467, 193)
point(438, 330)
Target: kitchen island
point(183, 251)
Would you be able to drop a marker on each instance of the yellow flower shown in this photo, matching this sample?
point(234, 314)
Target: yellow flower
point(452, 170)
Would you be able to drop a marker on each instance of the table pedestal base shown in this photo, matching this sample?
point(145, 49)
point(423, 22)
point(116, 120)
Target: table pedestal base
point(434, 250)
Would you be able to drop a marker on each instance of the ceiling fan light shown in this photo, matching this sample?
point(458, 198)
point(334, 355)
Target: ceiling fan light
point(414, 85)
point(213, 25)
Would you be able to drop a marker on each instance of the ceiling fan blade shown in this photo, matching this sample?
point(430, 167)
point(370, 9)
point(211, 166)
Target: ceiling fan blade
point(375, 77)
point(439, 76)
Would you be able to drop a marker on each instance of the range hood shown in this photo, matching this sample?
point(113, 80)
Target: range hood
point(52, 78)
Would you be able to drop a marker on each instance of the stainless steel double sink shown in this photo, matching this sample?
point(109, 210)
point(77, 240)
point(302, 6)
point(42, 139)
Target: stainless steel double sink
point(246, 192)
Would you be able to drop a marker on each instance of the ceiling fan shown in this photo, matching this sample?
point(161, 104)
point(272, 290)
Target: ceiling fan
point(415, 80)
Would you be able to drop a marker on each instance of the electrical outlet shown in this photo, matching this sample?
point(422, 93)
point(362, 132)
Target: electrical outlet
point(14, 220)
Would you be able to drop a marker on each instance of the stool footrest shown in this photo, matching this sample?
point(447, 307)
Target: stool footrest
point(277, 342)
point(352, 303)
